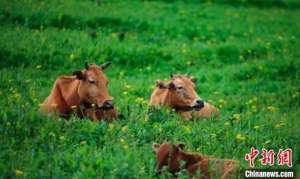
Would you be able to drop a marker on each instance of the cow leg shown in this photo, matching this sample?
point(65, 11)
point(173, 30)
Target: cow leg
point(186, 115)
point(208, 111)
point(92, 114)
point(229, 172)
point(107, 114)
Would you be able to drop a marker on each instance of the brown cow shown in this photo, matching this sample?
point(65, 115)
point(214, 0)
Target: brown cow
point(85, 94)
point(176, 159)
point(180, 94)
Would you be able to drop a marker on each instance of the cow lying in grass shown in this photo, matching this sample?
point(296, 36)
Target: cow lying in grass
point(196, 165)
point(180, 94)
point(85, 94)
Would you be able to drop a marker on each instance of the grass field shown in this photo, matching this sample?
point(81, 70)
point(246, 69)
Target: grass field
point(245, 55)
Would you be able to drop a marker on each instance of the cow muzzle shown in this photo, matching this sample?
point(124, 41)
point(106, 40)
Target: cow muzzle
point(199, 104)
point(108, 104)
point(157, 172)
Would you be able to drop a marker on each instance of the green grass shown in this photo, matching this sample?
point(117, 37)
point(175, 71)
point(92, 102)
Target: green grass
point(245, 55)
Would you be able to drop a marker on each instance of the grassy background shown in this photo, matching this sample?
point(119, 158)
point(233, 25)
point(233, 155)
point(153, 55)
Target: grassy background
point(244, 53)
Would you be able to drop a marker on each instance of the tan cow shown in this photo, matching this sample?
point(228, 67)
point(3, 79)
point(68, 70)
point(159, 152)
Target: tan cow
point(85, 94)
point(205, 167)
point(180, 94)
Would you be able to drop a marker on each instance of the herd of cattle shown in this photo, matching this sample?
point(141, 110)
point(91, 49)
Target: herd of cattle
point(85, 94)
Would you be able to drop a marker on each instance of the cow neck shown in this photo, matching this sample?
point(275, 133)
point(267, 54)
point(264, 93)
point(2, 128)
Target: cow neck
point(75, 95)
point(63, 110)
point(177, 107)
point(190, 158)
point(167, 98)
point(83, 104)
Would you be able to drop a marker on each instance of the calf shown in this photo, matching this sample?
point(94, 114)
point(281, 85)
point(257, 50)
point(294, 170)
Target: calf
point(85, 94)
point(176, 159)
point(180, 94)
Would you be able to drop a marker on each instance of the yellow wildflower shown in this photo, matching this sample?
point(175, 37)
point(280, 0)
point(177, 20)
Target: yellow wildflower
point(189, 63)
point(38, 66)
point(240, 137)
point(250, 101)
point(19, 173)
point(221, 101)
point(139, 100)
point(237, 117)
point(254, 109)
point(187, 128)
point(146, 118)
point(271, 108)
point(226, 123)
point(52, 134)
point(72, 56)
point(278, 126)
point(256, 127)
point(125, 147)
point(127, 86)
point(124, 128)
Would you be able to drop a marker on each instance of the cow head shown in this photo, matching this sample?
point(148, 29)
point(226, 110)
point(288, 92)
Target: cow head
point(93, 86)
point(168, 155)
point(181, 92)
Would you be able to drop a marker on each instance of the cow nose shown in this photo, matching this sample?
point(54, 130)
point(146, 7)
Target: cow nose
point(108, 104)
point(199, 103)
point(157, 173)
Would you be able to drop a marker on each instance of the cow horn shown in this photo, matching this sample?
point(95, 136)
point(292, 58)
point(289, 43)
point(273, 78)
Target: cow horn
point(160, 84)
point(194, 79)
point(180, 146)
point(86, 64)
point(172, 75)
point(171, 85)
point(105, 65)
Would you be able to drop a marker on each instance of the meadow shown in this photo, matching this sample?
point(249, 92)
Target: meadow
point(245, 55)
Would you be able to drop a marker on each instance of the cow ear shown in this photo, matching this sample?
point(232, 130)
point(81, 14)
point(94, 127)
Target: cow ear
point(193, 79)
point(172, 75)
point(79, 75)
point(171, 86)
point(180, 146)
point(155, 147)
point(86, 65)
point(105, 65)
point(160, 84)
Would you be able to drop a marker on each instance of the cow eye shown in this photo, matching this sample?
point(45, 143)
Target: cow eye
point(180, 87)
point(92, 81)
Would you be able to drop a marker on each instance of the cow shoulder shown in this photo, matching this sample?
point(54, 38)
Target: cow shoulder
point(208, 111)
point(158, 96)
point(68, 87)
